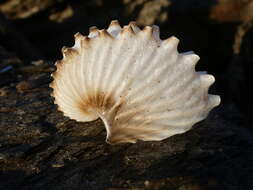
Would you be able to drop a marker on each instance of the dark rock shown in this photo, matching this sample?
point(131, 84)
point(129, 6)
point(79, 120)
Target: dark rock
point(42, 149)
point(33, 82)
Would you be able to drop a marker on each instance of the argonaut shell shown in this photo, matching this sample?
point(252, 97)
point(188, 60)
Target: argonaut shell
point(138, 84)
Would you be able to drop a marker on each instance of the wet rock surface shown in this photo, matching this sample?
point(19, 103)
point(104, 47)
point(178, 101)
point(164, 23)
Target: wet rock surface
point(42, 149)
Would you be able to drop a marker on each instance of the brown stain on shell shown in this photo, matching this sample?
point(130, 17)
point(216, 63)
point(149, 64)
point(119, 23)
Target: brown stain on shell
point(99, 101)
point(93, 29)
point(104, 34)
point(114, 23)
point(103, 103)
point(69, 52)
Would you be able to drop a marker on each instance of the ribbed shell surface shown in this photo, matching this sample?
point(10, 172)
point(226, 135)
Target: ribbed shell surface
point(139, 85)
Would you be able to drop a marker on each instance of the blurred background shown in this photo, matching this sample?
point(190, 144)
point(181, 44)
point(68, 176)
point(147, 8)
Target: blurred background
point(32, 33)
point(220, 31)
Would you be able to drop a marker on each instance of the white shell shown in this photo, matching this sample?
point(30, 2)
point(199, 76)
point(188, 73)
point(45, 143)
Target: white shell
point(138, 84)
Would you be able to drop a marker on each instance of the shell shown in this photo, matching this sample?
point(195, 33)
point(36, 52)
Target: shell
point(138, 84)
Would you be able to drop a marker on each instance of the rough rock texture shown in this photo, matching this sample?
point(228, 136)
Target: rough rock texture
point(42, 149)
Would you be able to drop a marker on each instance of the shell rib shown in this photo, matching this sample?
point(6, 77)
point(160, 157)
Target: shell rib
point(138, 84)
